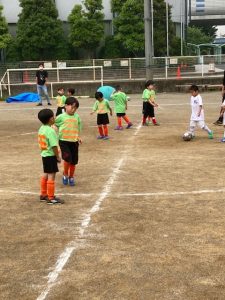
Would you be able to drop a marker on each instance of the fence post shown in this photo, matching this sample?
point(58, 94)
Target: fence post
point(102, 79)
point(202, 61)
point(1, 90)
point(94, 75)
point(9, 87)
point(130, 69)
point(57, 66)
point(51, 90)
point(166, 67)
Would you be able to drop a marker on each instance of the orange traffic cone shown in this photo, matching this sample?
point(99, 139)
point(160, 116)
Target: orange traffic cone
point(25, 77)
point(178, 73)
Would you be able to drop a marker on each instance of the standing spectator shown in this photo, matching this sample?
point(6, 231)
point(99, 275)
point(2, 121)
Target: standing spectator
point(41, 80)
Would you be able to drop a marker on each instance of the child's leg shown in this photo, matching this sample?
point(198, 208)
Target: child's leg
point(66, 166)
point(119, 121)
point(206, 128)
point(105, 129)
point(72, 170)
point(100, 130)
point(43, 182)
point(192, 128)
point(51, 186)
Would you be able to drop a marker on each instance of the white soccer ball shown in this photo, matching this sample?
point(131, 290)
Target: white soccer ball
point(187, 136)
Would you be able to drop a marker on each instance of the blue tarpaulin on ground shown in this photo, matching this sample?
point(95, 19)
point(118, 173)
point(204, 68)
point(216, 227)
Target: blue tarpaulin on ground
point(24, 97)
point(106, 91)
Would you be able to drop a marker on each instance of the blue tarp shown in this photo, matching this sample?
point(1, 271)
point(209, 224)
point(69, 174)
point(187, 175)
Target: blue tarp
point(24, 97)
point(106, 91)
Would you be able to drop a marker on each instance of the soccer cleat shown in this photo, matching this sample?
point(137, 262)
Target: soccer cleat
point(43, 198)
point(71, 181)
point(223, 140)
point(55, 200)
point(156, 124)
point(106, 137)
point(218, 122)
point(118, 128)
point(210, 135)
point(144, 124)
point(100, 137)
point(129, 125)
point(39, 104)
point(65, 180)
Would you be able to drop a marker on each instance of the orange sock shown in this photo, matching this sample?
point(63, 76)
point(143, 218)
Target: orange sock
point(43, 186)
point(105, 128)
point(66, 168)
point(126, 119)
point(72, 170)
point(100, 130)
point(119, 121)
point(51, 189)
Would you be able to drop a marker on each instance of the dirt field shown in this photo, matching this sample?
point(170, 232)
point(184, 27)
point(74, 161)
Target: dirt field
point(145, 221)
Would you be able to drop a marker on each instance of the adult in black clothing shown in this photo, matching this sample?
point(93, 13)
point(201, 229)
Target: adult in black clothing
point(220, 119)
point(41, 80)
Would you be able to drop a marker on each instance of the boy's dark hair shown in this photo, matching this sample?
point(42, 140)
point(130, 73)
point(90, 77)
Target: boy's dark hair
point(60, 88)
point(41, 64)
point(71, 91)
point(45, 115)
point(194, 88)
point(98, 95)
point(149, 82)
point(118, 88)
point(71, 101)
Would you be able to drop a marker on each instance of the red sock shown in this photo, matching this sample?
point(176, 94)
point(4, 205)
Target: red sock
point(143, 120)
point(66, 168)
point(43, 186)
point(126, 119)
point(51, 189)
point(100, 130)
point(154, 120)
point(72, 170)
point(105, 127)
point(119, 121)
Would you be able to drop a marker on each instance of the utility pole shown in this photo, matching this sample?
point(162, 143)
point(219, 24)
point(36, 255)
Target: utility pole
point(148, 38)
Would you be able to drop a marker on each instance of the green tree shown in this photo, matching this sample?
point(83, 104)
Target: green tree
point(39, 33)
point(129, 26)
point(196, 36)
point(87, 26)
point(5, 37)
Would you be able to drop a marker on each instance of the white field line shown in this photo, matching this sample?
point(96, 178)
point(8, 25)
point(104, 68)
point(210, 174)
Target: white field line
point(20, 134)
point(150, 194)
point(73, 245)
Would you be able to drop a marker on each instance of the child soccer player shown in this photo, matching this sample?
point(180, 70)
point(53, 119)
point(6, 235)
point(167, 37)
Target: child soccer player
point(197, 112)
point(61, 99)
point(149, 103)
point(222, 115)
point(70, 92)
point(48, 143)
point(102, 108)
point(69, 127)
point(120, 100)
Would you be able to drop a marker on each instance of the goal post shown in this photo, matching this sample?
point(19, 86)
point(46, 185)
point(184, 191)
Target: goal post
point(27, 76)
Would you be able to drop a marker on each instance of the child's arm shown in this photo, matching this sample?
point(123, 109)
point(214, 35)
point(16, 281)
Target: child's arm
point(56, 152)
point(95, 107)
point(110, 109)
point(200, 109)
point(151, 100)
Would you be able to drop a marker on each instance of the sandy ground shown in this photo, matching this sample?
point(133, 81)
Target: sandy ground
point(145, 220)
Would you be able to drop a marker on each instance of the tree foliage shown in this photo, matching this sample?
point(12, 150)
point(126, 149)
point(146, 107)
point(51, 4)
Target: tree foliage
point(87, 25)
point(39, 33)
point(5, 37)
point(196, 36)
point(129, 26)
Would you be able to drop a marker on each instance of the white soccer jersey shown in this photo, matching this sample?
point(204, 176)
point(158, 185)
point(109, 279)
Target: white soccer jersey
point(196, 101)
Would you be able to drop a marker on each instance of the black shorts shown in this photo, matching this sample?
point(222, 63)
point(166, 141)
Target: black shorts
point(60, 110)
point(148, 110)
point(120, 114)
point(69, 151)
point(50, 164)
point(102, 119)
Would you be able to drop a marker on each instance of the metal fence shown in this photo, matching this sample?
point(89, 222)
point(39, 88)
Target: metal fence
point(120, 69)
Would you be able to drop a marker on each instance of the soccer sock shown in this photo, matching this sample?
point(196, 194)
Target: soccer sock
point(51, 189)
point(126, 119)
point(119, 121)
point(192, 130)
point(206, 128)
point(143, 120)
point(154, 121)
point(105, 127)
point(66, 168)
point(100, 130)
point(72, 170)
point(43, 186)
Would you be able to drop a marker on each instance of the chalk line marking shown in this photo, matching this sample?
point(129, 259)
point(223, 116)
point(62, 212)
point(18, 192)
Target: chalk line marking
point(73, 245)
point(147, 194)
